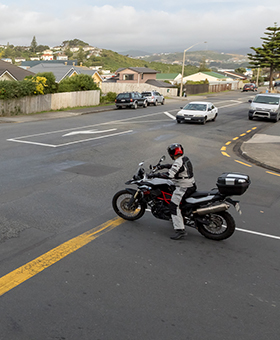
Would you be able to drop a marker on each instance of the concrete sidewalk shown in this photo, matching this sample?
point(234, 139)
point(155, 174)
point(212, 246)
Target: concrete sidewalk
point(264, 148)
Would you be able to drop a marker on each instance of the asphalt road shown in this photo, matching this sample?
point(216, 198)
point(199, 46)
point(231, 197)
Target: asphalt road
point(69, 269)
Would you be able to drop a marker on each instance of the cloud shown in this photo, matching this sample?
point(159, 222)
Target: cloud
point(125, 27)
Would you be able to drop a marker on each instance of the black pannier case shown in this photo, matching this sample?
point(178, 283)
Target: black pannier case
point(233, 183)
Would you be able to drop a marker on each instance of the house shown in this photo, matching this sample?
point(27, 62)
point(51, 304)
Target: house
point(9, 71)
point(210, 76)
point(135, 75)
point(61, 71)
point(172, 78)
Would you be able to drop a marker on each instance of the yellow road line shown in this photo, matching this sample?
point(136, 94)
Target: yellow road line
point(243, 163)
point(34, 267)
point(225, 154)
point(223, 148)
point(235, 138)
point(229, 142)
point(272, 173)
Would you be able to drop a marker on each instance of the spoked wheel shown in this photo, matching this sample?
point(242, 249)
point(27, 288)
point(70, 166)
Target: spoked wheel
point(121, 201)
point(218, 226)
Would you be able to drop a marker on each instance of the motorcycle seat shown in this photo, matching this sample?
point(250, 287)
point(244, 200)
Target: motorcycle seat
point(197, 194)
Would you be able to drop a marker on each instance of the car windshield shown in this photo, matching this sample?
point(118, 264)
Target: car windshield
point(146, 94)
point(266, 100)
point(195, 107)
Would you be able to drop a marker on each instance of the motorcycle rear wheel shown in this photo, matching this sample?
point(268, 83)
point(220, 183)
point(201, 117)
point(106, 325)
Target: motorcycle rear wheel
point(120, 204)
point(221, 227)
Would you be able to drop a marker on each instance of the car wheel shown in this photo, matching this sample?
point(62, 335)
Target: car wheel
point(213, 120)
point(155, 103)
point(275, 120)
point(145, 104)
point(178, 121)
point(162, 103)
point(135, 105)
point(204, 120)
point(250, 116)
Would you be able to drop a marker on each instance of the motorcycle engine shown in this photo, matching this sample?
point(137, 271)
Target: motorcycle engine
point(161, 211)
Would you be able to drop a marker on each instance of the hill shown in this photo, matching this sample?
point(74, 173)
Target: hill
point(112, 60)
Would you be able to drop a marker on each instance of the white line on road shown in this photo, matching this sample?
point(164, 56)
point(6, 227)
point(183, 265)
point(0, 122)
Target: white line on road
point(170, 115)
point(257, 233)
point(75, 142)
point(86, 132)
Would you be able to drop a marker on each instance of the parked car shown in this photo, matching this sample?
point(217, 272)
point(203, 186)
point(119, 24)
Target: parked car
point(130, 99)
point(197, 112)
point(265, 105)
point(153, 97)
point(276, 83)
point(249, 87)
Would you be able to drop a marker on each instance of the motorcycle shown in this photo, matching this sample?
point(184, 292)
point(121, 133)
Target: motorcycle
point(205, 211)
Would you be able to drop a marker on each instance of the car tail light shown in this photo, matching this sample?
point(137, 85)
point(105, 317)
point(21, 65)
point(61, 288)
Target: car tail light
point(131, 100)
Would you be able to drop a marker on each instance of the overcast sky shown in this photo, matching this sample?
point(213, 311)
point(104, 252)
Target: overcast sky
point(153, 26)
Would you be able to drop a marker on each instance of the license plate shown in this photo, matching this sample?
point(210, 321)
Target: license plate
point(186, 118)
point(123, 100)
point(238, 209)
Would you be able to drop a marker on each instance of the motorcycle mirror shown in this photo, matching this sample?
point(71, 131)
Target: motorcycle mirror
point(141, 163)
point(162, 159)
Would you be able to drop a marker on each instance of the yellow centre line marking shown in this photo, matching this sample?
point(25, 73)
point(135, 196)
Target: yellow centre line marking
point(248, 131)
point(272, 173)
point(235, 138)
point(225, 154)
point(254, 128)
point(243, 163)
point(34, 267)
point(227, 143)
point(242, 134)
point(223, 148)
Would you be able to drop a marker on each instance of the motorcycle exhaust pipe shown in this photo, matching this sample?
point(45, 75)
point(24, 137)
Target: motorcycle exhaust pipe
point(212, 209)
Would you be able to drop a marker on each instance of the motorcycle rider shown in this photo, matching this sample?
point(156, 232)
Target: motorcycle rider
point(181, 173)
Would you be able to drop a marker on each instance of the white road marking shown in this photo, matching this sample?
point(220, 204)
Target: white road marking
point(169, 115)
point(75, 142)
point(259, 234)
point(86, 132)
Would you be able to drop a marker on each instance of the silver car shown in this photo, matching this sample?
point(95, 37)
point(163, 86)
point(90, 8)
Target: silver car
point(153, 97)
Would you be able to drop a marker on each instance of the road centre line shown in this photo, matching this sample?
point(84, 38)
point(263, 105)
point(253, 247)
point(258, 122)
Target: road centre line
point(32, 268)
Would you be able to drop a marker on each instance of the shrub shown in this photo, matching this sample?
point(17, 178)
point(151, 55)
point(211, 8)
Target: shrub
point(80, 82)
point(108, 98)
point(10, 89)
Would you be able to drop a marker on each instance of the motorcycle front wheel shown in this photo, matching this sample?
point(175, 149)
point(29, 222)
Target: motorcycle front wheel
point(121, 202)
point(218, 226)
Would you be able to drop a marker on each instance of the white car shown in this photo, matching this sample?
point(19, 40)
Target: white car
point(200, 112)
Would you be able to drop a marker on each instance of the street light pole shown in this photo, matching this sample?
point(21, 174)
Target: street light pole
point(184, 55)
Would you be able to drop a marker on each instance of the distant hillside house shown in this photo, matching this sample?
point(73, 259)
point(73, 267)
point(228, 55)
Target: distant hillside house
point(9, 71)
point(61, 71)
point(47, 56)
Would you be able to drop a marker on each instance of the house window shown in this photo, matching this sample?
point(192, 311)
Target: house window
point(128, 77)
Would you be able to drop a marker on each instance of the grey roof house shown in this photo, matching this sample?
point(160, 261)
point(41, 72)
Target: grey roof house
point(62, 71)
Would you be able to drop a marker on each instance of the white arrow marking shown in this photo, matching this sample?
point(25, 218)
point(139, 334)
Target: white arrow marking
point(86, 132)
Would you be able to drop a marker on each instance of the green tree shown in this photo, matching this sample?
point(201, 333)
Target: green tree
point(268, 56)
point(33, 45)
point(203, 67)
point(81, 55)
point(240, 70)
